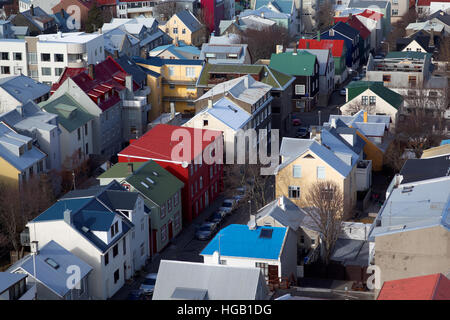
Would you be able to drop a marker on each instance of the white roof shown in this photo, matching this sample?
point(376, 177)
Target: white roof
point(70, 37)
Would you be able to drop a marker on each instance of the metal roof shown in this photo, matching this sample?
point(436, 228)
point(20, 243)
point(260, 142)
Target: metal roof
point(7, 280)
point(189, 20)
point(351, 252)
point(23, 88)
point(290, 216)
point(423, 169)
point(208, 282)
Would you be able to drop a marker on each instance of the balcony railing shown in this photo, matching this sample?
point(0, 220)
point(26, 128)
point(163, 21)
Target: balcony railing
point(137, 102)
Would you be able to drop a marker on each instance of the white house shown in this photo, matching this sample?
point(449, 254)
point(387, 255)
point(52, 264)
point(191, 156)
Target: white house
point(103, 226)
point(15, 91)
point(272, 249)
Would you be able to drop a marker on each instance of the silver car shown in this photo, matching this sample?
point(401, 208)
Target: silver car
point(148, 286)
point(227, 205)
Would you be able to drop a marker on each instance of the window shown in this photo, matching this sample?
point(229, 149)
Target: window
point(183, 31)
point(45, 57)
point(372, 100)
point(17, 56)
point(115, 250)
point(6, 70)
point(124, 247)
point(386, 78)
point(46, 71)
point(142, 249)
point(300, 89)
point(294, 192)
point(171, 71)
point(175, 30)
point(190, 72)
point(395, 12)
point(412, 81)
point(85, 129)
point(169, 205)
point(264, 268)
point(364, 100)
point(297, 171)
point(320, 172)
point(177, 221)
point(5, 55)
point(59, 57)
point(163, 211)
point(164, 233)
point(116, 276)
point(114, 229)
point(176, 199)
point(192, 191)
point(59, 71)
point(201, 183)
point(79, 134)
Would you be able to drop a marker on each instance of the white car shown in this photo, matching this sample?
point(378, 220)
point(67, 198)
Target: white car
point(227, 205)
point(148, 286)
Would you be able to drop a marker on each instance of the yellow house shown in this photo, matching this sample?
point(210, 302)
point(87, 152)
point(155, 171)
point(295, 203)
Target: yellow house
point(184, 26)
point(154, 81)
point(373, 152)
point(178, 81)
point(19, 159)
point(305, 162)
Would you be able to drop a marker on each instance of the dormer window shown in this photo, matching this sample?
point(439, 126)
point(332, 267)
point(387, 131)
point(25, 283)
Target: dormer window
point(114, 229)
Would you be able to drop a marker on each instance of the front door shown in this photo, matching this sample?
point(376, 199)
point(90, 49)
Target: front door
point(273, 272)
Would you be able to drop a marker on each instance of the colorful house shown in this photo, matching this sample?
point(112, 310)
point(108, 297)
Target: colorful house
point(161, 192)
point(214, 13)
point(184, 26)
point(202, 181)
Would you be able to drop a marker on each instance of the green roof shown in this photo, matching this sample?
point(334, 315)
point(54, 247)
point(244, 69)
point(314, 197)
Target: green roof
point(357, 87)
point(71, 115)
point(300, 64)
point(273, 78)
point(407, 54)
point(120, 170)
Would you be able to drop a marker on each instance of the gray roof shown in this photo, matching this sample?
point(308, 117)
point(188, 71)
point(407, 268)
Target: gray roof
point(7, 280)
point(424, 169)
point(441, 16)
point(221, 51)
point(211, 282)
point(132, 68)
point(417, 205)
point(54, 279)
point(23, 88)
point(189, 20)
point(291, 216)
point(322, 58)
point(292, 148)
point(351, 252)
point(367, 4)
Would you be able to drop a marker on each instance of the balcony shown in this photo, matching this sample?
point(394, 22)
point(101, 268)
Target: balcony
point(186, 98)
point(363, 175)
point(137, 102)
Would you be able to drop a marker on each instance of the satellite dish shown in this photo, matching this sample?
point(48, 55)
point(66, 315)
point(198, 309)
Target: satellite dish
point(184, 164)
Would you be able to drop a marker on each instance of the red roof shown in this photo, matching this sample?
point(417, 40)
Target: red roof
point(356, 24)
point(106, 2)
point(372, 14)
point(157, 144)
point(431, 287)
point(423, 3)
point(336, 46)
point(340, 19)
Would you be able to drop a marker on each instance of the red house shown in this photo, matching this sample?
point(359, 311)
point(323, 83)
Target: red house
point(214, 12)
point(202, 182)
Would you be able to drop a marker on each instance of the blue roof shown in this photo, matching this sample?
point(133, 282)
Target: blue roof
point(229, 113)
point(238, 240)
point(285, 6)
point(7, 280)
point(346, 30)
point(178, 50)
point(158, 62)
point(23, 88)
point(445, 142)
point(56, 211)
point(54, 279)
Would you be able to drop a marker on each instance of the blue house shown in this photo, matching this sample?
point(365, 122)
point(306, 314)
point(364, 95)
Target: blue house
point(351, 37)
point(272, 249)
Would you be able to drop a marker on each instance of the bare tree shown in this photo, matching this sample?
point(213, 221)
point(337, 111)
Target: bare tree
point(356, 105)
point(393, 157)
point(326, 209)
point(325, 16)
point(398, 29)
point(166, 9)
point(262, 43)
point(75, 170)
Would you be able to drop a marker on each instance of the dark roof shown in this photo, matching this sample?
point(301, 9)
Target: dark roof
point(132, 68)
point(421, 37)
point(423, 169)
point(346, 30)
point(189, 20)
point(342, 128)
point(441, 16)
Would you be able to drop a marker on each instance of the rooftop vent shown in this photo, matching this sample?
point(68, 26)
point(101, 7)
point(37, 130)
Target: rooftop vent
point(144, 184)
point(150, 180)
point(52, 263)
point(407, 189)
point(85, 229)
point(155, 173)
point(266, 233)
point(233, 109)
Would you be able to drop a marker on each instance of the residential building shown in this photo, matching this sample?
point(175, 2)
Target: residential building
point(208, 282)
point(184, 26)
point(225, 53)
point(84, 6)
point(119, 42)
point(44, 57)
point(202, 181)
point(420, 41)
point(16, 91)
point(429, 7)
point(252, 98)
point(364, 39)
point(161, 192)
point(381, 7)
point(179, 50)
point(46, 5)
point(271, 249)
point(47, 270)
point(42, 127)
point(373, 97)
point(428, 26)
point(248, 22)
point(178, 79)
point(289, 7)
point(305, 68)
point(154, 82)
point(281, 91)
point(75, 125)
point(20, 160)
point(372, 20)
point(97, 225)
point(37, 21)
point(134, 8)
point(7, 30)
point(338, 51)
point(13, 287)
point(416, 208)
point(265, 13)
point(214, 12)
point(427, 287)
point(443, 18)
point(441, 150)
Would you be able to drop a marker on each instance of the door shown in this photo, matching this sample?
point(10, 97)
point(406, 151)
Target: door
point(154, 250)
point(170, 230)
point(273, 272)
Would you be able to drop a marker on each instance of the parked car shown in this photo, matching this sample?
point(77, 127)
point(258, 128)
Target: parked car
point(216, 217)
point(240, 194)
point(302, 132)
point(343, 92)
point(148, 286)
point(228, 205)
point(135, 295)
point(206, 231)
point(296, 122)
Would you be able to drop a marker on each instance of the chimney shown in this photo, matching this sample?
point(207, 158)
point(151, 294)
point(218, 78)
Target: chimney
point(32, 10)
point(116, 54)
point(331, 33)
point(19, 109)
point(210, 103)
point(68, 216)
point(172, 110)
point(252, 223)
point(59, 35)
point(281, 203)
point(34, 246)
point(365, 116)
point(216, 257)
point(130, 167)
point(333, 123)
point(91, 70)
point(236, 19)
point(295, 50)
point(100, 31)
point(129, 84)
point(307, 45)
point(262, 15)
point(279, 48)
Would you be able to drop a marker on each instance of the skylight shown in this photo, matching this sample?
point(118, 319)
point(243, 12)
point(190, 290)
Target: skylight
point(52, 263)
point(150, 180)
point(266, 233)
point(144, 184)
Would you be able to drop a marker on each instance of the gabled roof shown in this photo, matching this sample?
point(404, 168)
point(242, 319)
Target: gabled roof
point(345, 30)
point(336, 46)
point(268, 13)
point(208, 282)
point(423, 169)
point(288, 216)
point(371, 14)
point(368, 4)
point(300, 64)
point(322, 56)
point(23, 88)
point(157, 143)
point(429, 287)
point(189, 20)
point(238, 240)
point(71, 114)
point(158, 62)
point(356, 24)
point(355, 88)
point(441, 16)
point(436, 151)
point(39, 17)
point(7, 280)
point(283, 6)
point(180, 51)
point(130, 67)
point(55, 279)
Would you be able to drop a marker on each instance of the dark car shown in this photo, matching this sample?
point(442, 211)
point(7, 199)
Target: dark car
point(216, 217)
point(206, 231)
point(302, 132)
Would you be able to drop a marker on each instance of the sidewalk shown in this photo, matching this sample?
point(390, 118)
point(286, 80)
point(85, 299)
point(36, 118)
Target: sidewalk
point(172, 251)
